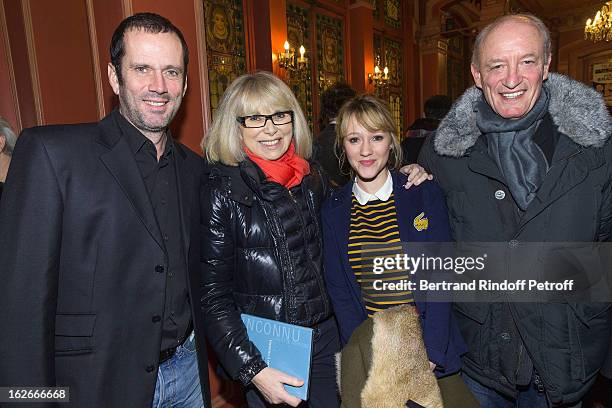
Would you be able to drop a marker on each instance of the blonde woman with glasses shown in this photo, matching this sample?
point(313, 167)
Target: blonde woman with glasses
point(261, 238)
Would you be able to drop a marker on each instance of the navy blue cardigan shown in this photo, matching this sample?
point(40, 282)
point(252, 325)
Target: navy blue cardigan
point(441, 335)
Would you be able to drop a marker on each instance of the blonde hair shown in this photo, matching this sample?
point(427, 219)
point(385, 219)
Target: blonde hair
point(250, 94)
point(374, 115)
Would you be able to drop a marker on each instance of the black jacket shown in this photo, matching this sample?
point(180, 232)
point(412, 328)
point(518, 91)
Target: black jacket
point(83, 266)
point(262, 256)
point(567, 342)
point(325, 155)
point(415, 137)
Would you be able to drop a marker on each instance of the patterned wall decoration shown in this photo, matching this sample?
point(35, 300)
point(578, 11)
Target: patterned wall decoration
point(330, 51)
point(376, 11)
point(378, 51)
point(393, 59)
point(393, 13)
point(388, 52)
point(297, 34)
point(395, 105)
point(455, 45)
point(225, 45)
point(454, 78)
point(457, 67)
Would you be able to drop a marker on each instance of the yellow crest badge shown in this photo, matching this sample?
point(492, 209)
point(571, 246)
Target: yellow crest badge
point(421, 222)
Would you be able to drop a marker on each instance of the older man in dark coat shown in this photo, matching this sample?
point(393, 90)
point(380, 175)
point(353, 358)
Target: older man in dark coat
point(525, 156)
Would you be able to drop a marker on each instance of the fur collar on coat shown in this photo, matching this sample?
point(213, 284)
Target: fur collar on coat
point(576, 109)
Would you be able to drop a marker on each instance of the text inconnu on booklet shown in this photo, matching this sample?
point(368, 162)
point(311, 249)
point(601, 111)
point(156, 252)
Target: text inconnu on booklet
point(283, 346)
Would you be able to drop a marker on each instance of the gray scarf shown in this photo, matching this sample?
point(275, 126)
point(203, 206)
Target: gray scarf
point(511, 145)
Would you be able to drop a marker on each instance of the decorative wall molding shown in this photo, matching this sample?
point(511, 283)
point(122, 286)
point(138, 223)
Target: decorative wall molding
point(202, 64)
point(29, 32)
point(362, 3)
point(433, 44)
point(127, 7)
point(573, 19)
point(11, 69)
point(93, 40)
point(224, 29)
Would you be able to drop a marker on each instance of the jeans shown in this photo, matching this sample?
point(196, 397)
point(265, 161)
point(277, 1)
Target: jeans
point(528, 397)
point(323, 391)
point(178, 380)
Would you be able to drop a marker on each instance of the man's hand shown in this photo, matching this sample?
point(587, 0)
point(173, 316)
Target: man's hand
point(270, 383)
point(416, 175)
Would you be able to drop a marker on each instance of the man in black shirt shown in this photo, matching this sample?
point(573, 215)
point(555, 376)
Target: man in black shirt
point(99, 226)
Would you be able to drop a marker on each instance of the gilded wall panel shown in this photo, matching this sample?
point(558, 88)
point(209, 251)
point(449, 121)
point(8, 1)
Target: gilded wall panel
point(378, 51)
point(225, 45)
point(377, 4)
point(393, 13)
point(330, 51)
point(298, 34)
point(393, 60)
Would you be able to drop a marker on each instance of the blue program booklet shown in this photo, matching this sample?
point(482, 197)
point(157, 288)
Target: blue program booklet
point(283, 346)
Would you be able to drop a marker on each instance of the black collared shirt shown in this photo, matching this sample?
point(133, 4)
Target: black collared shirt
point(160, 179)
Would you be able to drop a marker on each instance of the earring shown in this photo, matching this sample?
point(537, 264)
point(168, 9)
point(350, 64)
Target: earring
point(342, 164)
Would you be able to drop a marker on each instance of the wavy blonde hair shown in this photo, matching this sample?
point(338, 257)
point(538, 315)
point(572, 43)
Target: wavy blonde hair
point(251, 94)
point(374, 115)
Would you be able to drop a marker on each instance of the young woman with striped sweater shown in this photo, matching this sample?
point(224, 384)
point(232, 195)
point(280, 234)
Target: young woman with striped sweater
point(373, 210)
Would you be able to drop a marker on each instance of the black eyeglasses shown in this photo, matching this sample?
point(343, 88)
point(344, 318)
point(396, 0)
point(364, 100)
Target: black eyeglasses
point(259, 121)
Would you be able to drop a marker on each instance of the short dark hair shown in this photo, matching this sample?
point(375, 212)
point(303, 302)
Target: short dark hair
point(333, 99)
point(150, 23)
point(437, 107)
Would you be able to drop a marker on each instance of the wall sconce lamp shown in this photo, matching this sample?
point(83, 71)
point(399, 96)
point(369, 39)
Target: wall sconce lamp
point(379, 78)
point(289, 61)
point(325, 82)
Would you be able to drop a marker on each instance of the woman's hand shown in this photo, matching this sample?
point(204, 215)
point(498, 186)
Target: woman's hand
point(416, 175)
point(270, 382)
point(432, 366)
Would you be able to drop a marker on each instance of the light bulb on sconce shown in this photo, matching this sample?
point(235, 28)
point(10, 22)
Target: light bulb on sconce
point(379, 78)
point(286, 58)
point(296, 67)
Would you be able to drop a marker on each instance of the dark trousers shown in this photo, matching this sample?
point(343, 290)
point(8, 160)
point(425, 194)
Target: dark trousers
point(528, 397)
point(323, 391)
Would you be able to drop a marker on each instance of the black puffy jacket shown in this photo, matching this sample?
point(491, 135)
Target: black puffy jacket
point(261, 255)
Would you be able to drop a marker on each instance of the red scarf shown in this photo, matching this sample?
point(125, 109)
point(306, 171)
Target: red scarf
point(288, 170)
